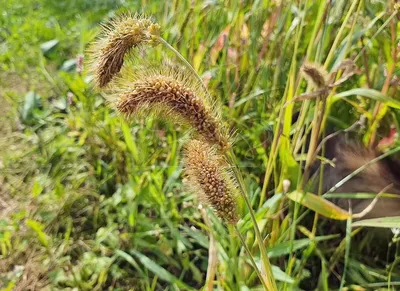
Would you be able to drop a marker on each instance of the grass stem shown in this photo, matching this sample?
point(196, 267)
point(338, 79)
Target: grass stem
point(271, 284)
point(251, 257)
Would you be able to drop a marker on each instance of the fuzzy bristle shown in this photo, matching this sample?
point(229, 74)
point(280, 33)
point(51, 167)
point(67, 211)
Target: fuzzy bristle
point(173, 96)
point(315, 74)
point(117, 39)
point(207, 176)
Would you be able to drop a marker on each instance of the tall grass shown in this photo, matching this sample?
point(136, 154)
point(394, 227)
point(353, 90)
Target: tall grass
point(92, 202)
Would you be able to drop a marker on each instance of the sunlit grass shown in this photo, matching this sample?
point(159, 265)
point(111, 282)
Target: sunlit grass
point(89, 201)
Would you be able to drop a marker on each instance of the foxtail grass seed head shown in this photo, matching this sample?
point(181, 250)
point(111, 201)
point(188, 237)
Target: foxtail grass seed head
point(207, 177)
point(168, 93)
point(117, 39)
point(315, 74)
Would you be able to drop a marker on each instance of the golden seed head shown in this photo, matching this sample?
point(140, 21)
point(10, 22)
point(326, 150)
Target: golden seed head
point(117, 39)
point(170, 94)
point(207, 176)
point(315, 74)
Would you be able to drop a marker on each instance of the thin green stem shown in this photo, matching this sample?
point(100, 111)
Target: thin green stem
point(316, 127)
point(271, 284)
point(271, 158)
point(346, 253)
point(376, 34)
point(320, 105)
point(305, 105)
point(185, 62)
point(253, 263)
point(339, 34)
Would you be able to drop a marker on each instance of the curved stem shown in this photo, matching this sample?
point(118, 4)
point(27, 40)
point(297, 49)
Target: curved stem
point(185, 62)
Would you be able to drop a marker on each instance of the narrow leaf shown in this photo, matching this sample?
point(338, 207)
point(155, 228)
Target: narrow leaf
point(157, 269)
point(360, 195)
point(319, 205)
point(129, 140)
point(48, 46)
point(372, 94)
point(37, 227)
point(282, 249)
point(281, 275)
point(383, 222)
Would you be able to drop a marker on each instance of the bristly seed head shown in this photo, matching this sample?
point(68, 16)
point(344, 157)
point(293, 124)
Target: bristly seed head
point(117, 39)
point(207, 176)
point(169, 94)
point(315, 74)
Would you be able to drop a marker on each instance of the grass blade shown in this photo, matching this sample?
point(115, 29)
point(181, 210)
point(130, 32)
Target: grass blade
point(383, 222)
point(158, 270)
point(319, 205)
point(372, 94)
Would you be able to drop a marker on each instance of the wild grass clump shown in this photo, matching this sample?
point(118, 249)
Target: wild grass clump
point(165, 94)
point(99, 202)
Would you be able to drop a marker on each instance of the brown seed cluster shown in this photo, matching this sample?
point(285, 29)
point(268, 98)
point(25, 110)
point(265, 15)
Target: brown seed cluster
point(118, 37)
point(207, 177)
point(176, 99)
point(315, 75)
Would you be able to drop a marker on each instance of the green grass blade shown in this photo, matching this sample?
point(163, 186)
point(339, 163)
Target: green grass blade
point(284, 248)
point(281, 276)
point(372, 94)
point(158, 270)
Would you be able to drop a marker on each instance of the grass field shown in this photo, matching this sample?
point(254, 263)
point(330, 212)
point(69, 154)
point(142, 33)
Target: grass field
point(92, 201)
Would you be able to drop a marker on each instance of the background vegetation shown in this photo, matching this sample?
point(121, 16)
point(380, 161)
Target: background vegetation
point(91, 202)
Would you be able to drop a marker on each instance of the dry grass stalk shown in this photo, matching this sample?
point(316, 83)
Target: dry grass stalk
point(116, 40)
point(315, 74)
point(207, 176)
point(212, 253)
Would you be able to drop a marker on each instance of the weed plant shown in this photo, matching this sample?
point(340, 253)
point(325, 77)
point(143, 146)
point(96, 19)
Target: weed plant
point(91, 200)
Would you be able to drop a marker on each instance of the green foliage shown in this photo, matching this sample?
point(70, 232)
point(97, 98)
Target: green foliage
point(93, 202)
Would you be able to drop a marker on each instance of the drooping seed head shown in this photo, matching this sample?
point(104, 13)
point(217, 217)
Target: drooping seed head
point(117, 38)
point(168, 93)
point(208, 177)
point(315, 74)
